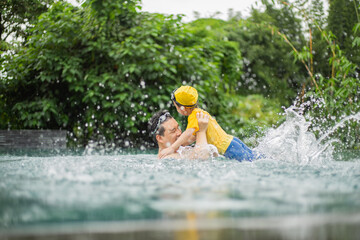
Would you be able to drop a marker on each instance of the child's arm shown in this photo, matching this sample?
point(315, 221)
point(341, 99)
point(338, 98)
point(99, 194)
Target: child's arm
point(203, 121)
point(185, 139)
point(201, 149)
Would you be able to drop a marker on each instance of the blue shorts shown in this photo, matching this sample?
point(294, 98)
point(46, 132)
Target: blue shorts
point(239, 151)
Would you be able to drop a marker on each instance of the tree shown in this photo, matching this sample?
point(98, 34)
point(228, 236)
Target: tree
point(16, 15)
point(101, 70)
point(343, 15)
point(334, 99)
point(284, 18)
point(319, 47)
point(269, 66)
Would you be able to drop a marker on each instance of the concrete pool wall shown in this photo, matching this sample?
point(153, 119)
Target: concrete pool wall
point(34, 139)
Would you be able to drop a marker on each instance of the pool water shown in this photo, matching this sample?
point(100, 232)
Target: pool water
point(71, 188)
point(300, 190)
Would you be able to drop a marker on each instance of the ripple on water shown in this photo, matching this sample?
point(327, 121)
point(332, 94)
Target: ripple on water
point(128, 187)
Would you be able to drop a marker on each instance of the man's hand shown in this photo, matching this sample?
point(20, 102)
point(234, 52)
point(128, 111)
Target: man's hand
point(167, 151)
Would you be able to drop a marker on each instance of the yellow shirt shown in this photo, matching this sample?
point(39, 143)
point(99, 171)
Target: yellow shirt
point(215, 134)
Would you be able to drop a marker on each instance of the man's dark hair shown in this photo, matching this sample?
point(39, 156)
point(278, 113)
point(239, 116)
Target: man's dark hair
point(155, 127)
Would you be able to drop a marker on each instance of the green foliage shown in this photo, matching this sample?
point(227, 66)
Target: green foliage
point(356, 30)
point(343, 15)
point(336, 98)
point(210, 28)
point(247, 117)
point(286, 21)
point(320, 51)
point(268, 63)
point(228, 57)
point(331, 100)
point(101, 71)
point(15, 14)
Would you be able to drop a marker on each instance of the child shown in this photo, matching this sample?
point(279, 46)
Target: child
point(185, 100)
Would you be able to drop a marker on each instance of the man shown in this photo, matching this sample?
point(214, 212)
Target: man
point(185, 99)
point(165, 130)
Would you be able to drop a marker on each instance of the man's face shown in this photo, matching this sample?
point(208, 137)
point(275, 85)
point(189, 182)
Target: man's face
point(171, 134)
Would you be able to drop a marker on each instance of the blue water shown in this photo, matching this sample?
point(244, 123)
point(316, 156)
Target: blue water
point(301, 177)
point(132, 187)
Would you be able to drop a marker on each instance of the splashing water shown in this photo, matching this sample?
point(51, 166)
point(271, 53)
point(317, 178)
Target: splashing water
point(201, 152)
point(293, 142)
point(340, 124)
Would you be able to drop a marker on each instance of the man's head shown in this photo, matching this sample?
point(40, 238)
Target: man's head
point(164, 129)
point(185, 99)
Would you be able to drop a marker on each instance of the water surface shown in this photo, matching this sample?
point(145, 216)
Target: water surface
point(131, 187)
point(301, 189)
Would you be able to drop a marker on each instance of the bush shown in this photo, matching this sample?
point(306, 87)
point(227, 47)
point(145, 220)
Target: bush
point(101, 71)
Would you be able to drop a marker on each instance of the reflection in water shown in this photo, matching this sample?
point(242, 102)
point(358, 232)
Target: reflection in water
point(293, 227)
point(191, 231)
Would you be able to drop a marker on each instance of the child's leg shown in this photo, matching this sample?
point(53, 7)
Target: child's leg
point(239, 151)
point(255, 155)
point(242, 144)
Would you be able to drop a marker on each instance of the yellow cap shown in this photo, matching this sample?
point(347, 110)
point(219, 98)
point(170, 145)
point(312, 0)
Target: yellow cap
point(186, 96)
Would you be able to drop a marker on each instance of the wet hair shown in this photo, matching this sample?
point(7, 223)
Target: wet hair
point(155, 126)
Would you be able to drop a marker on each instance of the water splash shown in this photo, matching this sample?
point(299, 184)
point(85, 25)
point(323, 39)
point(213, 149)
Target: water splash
point(198, 152)
point(338, 125)
point(93, 148)
point(293, 142)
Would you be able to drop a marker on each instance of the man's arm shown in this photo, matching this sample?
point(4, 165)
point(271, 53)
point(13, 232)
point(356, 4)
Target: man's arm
point(184, 139)
point(201, 149)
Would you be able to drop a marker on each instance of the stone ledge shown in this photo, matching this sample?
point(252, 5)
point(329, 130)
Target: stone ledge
point(43, 139)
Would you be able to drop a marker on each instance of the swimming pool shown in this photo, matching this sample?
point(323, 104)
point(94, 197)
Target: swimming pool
point(70, 189)
point(305, 192)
